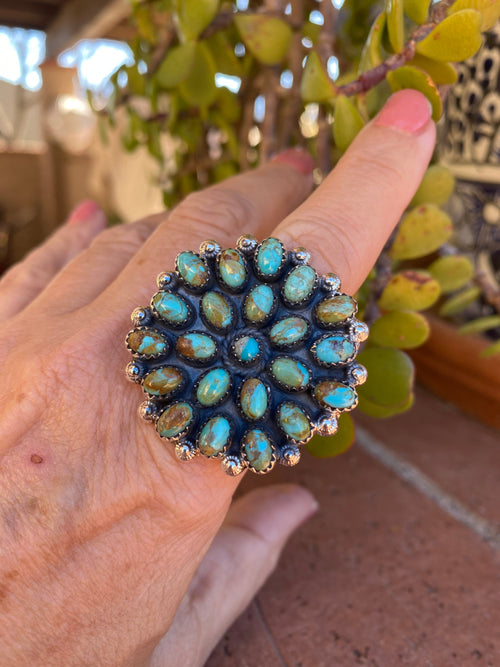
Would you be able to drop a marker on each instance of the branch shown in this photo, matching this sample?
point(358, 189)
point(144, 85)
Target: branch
point(490, 292)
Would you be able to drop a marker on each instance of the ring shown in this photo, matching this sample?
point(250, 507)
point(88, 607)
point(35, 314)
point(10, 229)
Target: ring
point(245, 353)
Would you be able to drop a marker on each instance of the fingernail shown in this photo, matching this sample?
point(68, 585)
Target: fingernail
point(406, 110)
point(84, 211)
point(297, 158)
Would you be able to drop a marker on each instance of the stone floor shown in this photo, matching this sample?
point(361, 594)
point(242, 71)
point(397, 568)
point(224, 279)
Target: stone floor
point(401, 566)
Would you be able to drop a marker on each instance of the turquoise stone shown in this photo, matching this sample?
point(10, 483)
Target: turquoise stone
point(253, 398)
point(258, 450)
point(149, 342)
point(232, 268)
point(294, 422)
point(290, 373)
point(174, 420)
point(196, 346)
point(193, 269)
point(170, 307)
point(270, 257)
point(259, 303)
point(213, 386)
point(288, 331)
point(334, 350)
point(335, 309)
point(299, 283)
point(334, 395)
point(217, 310)
point(163, 381)
point(246, 349)
point(214, 436)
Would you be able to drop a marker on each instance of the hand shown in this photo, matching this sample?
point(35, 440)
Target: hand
point(113, 551)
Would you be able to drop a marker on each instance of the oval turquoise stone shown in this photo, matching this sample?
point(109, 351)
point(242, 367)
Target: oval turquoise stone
point(259, 303)
point(196, 346)
point(149, 342)
point(217, 310)
point(269, 257)
point(232, 268)
point(214, 436)
point(334, 395)
point(290, 373)
point(335, 309)
point(170, 307)
point(253, 398)
point(174, 420)
point(213, 386)
point(163, 381)
point(192, 269)
point(299, 283)
point(246, 349)
point(288, 331)
point(258, 449)
point(334, 350)
point(294, 422)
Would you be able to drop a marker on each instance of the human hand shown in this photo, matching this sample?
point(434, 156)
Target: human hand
point(113, 551)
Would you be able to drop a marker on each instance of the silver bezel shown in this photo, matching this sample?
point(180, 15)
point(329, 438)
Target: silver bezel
point(180, 436)
point(334, 364)
point(285, 387)
point(245, 457)
point(333, 325)
point(139, 355)
point(220, 279)
point(174, 325)
point(297, 343)
point(299, 304)
point(211, 325)
point(171, 394)
point(327, 408)
point(307, 416)
point(195, 290)
point(268, 405)
point(270, 278)
point(197, 384)
point(266, 320)
point(197, 363)
point(226, 447)
point(251, 362)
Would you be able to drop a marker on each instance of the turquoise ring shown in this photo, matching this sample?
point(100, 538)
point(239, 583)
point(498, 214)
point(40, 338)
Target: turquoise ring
point(245, 353)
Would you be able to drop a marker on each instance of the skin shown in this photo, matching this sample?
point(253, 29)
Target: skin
point(112, 551)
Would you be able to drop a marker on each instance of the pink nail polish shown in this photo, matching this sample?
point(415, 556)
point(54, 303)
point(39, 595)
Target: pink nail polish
point(85, 210)
point(406, 110)
point(297, 158)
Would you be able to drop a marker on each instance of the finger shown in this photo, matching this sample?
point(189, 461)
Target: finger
point(348, 219)
point(25, 280)
point(240, 559)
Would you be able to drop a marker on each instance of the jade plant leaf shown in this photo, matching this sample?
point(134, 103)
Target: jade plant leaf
point(412, 77)
point(480, 325)
point(193, 16)
point(266, 37)
point(417, 10)
point(388, 389)
point(410, 290)
point(176, 65)
point(489, 10)
point(491, 350)
point(199, 88)
point(372, 50)
point(383, 411)
point(436, 186)
point(404, 329)
point(422, 231)
point(441, 73)
point(333, 445)
point(347, 122)
point(452, 272)
point(223, 54)
point(456, 38)
point(315, 85)
point(395, 24)
point(456, 304)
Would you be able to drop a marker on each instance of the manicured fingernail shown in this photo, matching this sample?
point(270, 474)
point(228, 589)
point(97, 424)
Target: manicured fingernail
point(86, 210)
point(297, 158)
point(406, 110)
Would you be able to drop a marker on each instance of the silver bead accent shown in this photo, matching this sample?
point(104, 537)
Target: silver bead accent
point(327, 425)
point(359, 374)
point(185, 451)
point(232, 465)
point(247, 243)
point(360, 331)
point(134, 371)
point(300, 256)
point(140, 316)
point(290, 455)
point(148, 411)
point(209, 248)
point(330, 282)
point(166, 280)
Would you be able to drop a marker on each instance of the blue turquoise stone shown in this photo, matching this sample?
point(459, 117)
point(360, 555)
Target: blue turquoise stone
point(192, 269)
point(258, 449)
point(334, 395)
point(290, 373)
point(253, 398)
point(270, 257)
point(196, 346)
point(214, 436)
point(299, 283)
point(217, 310)
point(170, 307)
point(288, 331)
point(259, 303)
point(246, 349)
point(294, 422)
point(174, 420)
point(334, 350)
point(163, 381)
point(149, 342)
point(213, 386)
point(335, 309)
point(232, 268)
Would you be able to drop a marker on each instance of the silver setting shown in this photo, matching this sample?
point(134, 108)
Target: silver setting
point(284, 387)
point(330, 282)
point(359, 374)
point(244, 456)
point(202, 377)
point(232, 465)
point(335, 364)
point(299, 304)
point(300, 255)
point(359, 331)
point(246, 243)
point(209, 249)
point(289, 456)
point(185, 450)
point(327, 425)
point(135, 371)
point(140, 316)
point(166, 280)
point(148, 410)
point(141, 355)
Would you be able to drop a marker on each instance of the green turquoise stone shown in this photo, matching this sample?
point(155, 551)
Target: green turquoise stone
point(253, 398)
point(288, 331)
point(334, 395)
point(232, 268)
point(258, 450)
point(163, 381)
point(196, 346)
point(299, 283)
point(259, 303)
point(170, 307)
point(290, 373)
point(246, 349)
point(193, 269)
point(217, 310)
point(334, 350)
point(294, 422)
point(213, 386)
point(214, 436)
point(269, 257)
point(148, 342)
point(335, 309)
point(174, 420)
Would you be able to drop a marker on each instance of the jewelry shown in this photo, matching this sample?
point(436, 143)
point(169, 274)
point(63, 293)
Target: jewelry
point(245, 353)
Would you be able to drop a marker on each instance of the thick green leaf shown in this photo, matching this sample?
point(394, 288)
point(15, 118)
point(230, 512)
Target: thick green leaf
point(311, 31)
point(266, 37)
point(315, 85)
point(382, 411)
point(324, 448)
point(193, 16)
point(223, 55)
point(410, 290)
point(441, 73)
point(404, 329)
point(422, 231)
point(229, 105)
point(480, 325)
point(417, 10)
point(199, 87)
point(491, 350)
point(452, 272)
point(372, 50)
point(412, 77)
point(436, 187)
point(456, 38)
point(489, 10)
point(390, 380)
point(460, 302)
point(144, 21)
point(346, 123)
point(395, 24)
point(136, 81)
point(176, 65)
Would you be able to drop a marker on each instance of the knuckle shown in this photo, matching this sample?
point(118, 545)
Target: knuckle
point(126, 238)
